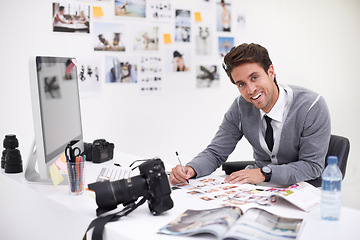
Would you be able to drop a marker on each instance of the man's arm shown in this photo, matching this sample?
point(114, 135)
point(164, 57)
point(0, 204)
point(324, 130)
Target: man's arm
point(222, 145)
point(313, 147)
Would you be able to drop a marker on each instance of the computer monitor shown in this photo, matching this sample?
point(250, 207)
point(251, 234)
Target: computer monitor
point(56, 113)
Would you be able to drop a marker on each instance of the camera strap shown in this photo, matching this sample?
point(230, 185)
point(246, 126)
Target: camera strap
point(99, 223)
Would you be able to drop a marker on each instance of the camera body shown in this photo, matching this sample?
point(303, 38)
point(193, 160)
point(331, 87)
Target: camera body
point(99, 151)
point(152, 183)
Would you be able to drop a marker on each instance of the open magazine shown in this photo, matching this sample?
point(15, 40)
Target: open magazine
point(303, 195)
point(230, 223)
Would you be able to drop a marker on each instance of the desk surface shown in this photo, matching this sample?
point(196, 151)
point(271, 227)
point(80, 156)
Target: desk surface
point(47, 212)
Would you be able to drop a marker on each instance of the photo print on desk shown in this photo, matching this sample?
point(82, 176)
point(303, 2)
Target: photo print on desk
point(108, 36)
point(71, 18)
point(146, 38)
point(120, 70)
point(88, 70)
point(224, 45)
point(182, 25)
point(159, 10)
point(207, 76)
point(150, 75)
point(127, 8)
point(223, 13)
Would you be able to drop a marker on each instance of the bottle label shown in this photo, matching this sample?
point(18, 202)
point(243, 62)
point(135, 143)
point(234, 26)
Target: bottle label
point(328, 185)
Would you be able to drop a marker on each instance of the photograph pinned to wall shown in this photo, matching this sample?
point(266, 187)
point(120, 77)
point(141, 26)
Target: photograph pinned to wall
point(130, 8)
point(159, 10)
point(88, 70)
point(146, 38)
point(207, 76)
point(120, 70)
point(150, 74)
point(182, 25)
point(241, 20)
point(223, 13)
point(108, 36)
point(71, 18)
point(178, 60)
point(224, 45)
point(203, 38)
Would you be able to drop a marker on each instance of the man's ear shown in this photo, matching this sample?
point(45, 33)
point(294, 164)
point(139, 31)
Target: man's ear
point(271, 72)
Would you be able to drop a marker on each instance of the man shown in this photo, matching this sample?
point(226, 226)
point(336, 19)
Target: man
point(290, 147)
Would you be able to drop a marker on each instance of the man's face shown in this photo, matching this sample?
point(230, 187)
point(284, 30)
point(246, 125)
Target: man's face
point(255, 85)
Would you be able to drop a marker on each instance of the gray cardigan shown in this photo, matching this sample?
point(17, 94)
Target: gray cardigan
point(299, 150)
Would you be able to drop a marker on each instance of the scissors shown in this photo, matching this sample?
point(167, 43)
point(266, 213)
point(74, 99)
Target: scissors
point(71, 154)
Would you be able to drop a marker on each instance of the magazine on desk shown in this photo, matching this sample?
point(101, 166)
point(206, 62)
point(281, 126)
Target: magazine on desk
point(302, 195)
point(229, 222)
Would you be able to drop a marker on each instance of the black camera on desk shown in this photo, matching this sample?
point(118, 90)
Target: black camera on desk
point(99, 151)
point(152, 183)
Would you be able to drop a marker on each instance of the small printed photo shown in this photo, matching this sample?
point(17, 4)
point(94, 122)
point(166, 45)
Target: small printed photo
point(212, 190)
point(203, 41)
point(205, 198)
point(146, 38)
point(207, 76)
point(120, 71)
point(130, 8)
point(159, 10)
point(207, 180)
point(108, 36)
point(179, 60)
point(241, 21)
point(182, 25)
point(88, 70)
point(72, 18)
point(194, 192)
point(225, 44)
point(150, 74)
point(223, 10)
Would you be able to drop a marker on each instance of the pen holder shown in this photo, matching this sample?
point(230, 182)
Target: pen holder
point(76, 177)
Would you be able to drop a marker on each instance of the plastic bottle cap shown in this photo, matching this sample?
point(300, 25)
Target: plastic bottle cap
point(332, 160)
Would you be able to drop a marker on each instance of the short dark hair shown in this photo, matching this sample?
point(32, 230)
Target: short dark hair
point(246, 53)
point(61, 8)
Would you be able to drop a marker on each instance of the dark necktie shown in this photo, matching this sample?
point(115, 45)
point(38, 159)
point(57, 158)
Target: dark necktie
point(269, 136)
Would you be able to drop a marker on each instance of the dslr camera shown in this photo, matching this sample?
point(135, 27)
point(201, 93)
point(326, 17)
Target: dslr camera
point(152, 183)
point(99, 151)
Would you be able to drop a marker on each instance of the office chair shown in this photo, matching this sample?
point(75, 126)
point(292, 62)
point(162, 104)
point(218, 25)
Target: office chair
point(338, 146)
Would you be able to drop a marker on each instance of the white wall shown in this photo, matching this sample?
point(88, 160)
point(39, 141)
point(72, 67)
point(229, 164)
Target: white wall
point(313, 43)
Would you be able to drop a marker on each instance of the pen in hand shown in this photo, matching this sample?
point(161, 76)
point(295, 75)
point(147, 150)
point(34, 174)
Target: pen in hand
point(182, 167)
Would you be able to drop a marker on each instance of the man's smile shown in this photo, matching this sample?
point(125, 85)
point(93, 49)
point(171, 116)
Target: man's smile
point(256, 96)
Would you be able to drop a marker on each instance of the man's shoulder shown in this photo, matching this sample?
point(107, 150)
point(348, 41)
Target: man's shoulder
point(301, 93)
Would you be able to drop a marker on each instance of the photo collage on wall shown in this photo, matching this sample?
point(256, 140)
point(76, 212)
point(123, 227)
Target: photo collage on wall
point(141, 40)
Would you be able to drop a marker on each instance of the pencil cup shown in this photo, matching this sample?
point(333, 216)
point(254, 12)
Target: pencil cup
point(76, 177)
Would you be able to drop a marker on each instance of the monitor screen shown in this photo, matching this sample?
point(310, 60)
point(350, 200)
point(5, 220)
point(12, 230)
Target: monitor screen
point(56, 109)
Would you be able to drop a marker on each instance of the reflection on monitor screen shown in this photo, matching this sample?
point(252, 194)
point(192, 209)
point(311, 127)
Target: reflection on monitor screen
point(56, 113)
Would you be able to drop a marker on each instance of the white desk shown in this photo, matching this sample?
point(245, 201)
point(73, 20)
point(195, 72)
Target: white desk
point(32, 211)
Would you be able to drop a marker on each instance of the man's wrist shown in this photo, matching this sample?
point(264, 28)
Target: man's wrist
point(267, 172)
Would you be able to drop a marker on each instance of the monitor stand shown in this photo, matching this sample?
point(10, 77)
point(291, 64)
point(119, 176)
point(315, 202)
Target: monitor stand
point(31, 175)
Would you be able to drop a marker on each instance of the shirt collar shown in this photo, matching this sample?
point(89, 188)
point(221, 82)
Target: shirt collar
point(276, 113)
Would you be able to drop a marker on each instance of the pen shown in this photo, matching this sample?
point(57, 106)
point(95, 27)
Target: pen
point(182, 167)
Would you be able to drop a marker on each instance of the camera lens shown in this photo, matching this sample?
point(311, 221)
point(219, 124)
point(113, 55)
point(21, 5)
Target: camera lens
point(125, 191)
point(10, 141)
point(13, 163)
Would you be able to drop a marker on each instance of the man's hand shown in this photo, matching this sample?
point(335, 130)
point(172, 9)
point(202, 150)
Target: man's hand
point(246, 176)
point(178, 176)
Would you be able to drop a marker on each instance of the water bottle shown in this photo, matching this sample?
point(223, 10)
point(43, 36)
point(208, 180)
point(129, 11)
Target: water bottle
point(331, 190)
